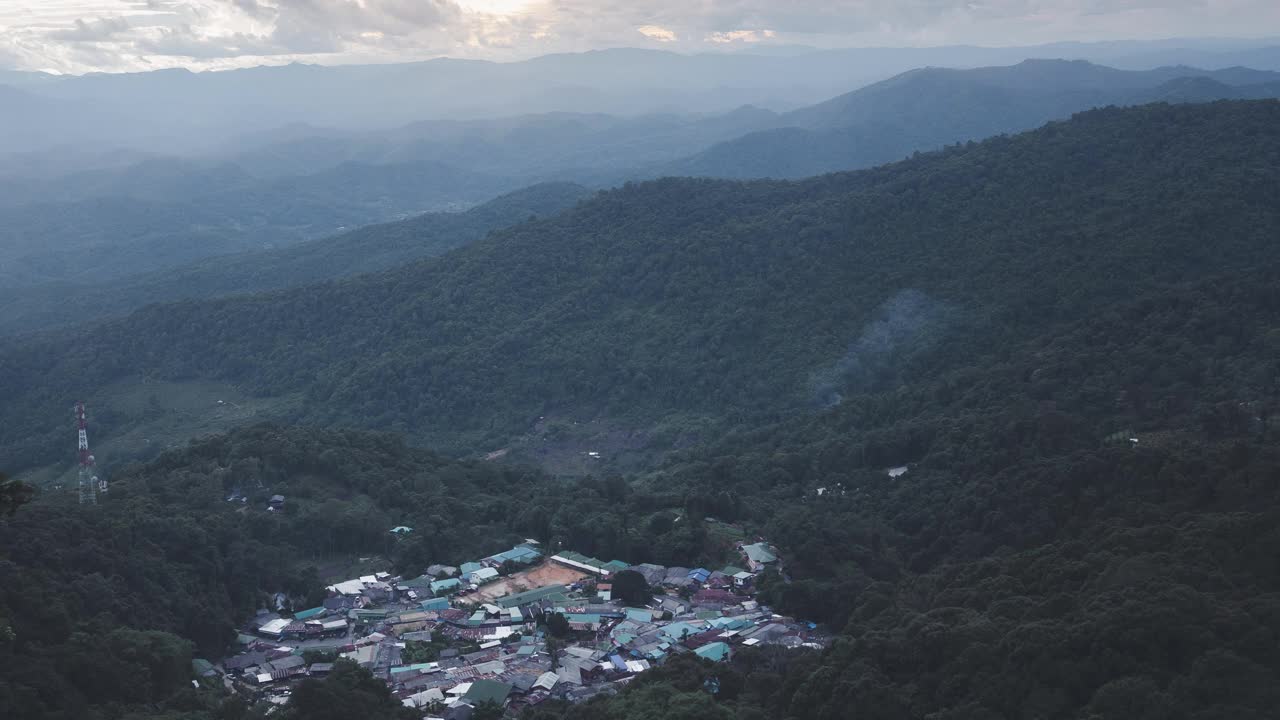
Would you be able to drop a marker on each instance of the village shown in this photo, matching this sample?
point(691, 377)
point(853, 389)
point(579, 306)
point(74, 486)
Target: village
point(513, 629)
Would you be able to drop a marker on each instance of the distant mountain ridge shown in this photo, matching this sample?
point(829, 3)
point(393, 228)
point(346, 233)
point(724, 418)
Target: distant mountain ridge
point(928, 108)
point(180, 111)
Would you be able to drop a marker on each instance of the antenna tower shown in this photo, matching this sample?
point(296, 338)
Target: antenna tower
point(89, 485)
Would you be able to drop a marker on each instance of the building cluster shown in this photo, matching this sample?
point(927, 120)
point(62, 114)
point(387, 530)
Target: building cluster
point(487, 631)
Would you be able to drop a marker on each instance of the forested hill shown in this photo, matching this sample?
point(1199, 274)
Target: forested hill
point(928, 108)
point(689, 299)
point(363, 250)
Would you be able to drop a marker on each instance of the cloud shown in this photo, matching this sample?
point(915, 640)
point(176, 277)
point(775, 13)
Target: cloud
point(94, 30)
point(132, 34)
point(657, 32)
point(746, 36)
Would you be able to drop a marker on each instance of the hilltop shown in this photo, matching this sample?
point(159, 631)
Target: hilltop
point(928, 108)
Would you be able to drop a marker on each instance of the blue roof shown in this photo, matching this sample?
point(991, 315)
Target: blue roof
point(639, 615)
point(715, 652)
point(440, 586)
point(699, 574)
point(677, 630)
point(418, 666)
point(519, 554)
point(440, 603)
point(582, 618)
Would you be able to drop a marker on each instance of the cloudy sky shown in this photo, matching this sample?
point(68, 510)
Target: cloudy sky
point(114, 35)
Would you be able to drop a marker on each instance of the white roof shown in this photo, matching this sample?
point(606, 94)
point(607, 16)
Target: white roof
point(460, 689)
point(368, 578)
point(547, 680)
point(484, 574)
point(334, 624)
point(490, 644)
point(424, 698)
point(348, 587)
point(275, 627)
point(264, 678)
point(492, 609)
point(752, 641)
point(637, 666)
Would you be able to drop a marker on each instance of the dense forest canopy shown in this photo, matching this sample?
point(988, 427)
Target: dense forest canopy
point(676, 300)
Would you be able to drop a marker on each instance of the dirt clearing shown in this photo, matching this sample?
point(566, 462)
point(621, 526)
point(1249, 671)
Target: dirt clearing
point(548, 573)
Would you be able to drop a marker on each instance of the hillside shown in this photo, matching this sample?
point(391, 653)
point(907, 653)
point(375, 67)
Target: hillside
point(363, 250)
point(929, 108)
point(1067, 338)
point(160, 214)
point(658, 306)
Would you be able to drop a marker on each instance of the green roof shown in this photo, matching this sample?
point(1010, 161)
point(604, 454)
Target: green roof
point(470, 567)
point(715, 652)
point(304, 614)
point(616, 565)
point(487, 691)
point(440, 603)
point(760, 553)
point(732, 570)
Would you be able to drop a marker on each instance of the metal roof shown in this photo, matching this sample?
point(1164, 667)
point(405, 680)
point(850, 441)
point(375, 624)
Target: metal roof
point(760, 553)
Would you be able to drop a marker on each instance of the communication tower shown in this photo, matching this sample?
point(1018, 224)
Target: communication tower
point(90, 486)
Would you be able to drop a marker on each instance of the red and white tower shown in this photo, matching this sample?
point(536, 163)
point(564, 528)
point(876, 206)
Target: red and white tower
point(89, 484)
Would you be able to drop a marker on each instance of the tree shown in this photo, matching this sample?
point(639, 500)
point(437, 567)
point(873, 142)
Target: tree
point(349, 691)
point(13, 494)
point(631, 588)
point(558, 625)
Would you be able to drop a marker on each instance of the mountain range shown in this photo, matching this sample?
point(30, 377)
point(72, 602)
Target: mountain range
point(179, 111)
point(651, 308)
point(299, 183)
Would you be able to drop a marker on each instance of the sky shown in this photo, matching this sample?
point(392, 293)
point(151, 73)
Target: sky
point(75, 36)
